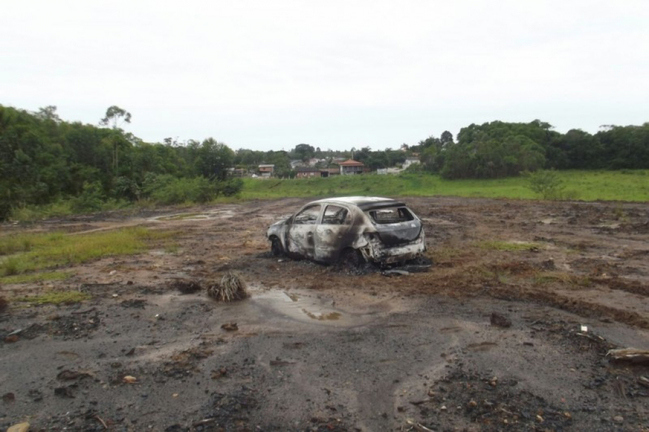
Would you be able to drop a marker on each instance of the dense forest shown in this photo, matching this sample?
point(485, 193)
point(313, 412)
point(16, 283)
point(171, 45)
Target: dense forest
point(500, 149)
point(44, 158)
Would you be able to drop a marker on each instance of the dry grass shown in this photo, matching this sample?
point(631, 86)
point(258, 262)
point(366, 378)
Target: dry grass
point(231, 288)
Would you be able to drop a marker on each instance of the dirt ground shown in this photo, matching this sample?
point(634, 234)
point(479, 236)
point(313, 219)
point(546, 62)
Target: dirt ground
point(317, 349)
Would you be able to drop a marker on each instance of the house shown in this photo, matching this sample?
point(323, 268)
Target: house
point(266, 170)
point(237, 172)
point(410, 161)
point(305, 172)
point(328, 172)
point(351, 166)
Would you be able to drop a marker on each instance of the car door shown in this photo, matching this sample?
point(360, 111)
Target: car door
point(300, 234)
point(332, 234)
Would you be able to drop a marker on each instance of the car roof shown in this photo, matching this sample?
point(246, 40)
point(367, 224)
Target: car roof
point(362, 202)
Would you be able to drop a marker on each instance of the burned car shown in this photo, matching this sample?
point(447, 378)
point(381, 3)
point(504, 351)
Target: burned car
point(350, 230)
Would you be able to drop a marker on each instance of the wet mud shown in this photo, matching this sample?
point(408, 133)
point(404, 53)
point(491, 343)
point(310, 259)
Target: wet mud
point(316, 348)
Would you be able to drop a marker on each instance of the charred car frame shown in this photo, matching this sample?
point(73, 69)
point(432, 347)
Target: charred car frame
point(350, 230)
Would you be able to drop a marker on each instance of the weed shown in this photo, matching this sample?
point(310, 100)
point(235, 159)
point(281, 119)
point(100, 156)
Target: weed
point(34, 277)
point(620, 214)
point(172, 248)
point(543, 278)
point(55, 298)
point(446, 254)
point(10, 266)
point(511, 246)
point(15, 243)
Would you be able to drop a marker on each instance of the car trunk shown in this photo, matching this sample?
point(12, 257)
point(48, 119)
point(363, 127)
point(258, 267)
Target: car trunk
point(395, 225)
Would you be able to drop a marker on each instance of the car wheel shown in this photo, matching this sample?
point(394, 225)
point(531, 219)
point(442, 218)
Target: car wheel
point(276, 247)
point(351, 259)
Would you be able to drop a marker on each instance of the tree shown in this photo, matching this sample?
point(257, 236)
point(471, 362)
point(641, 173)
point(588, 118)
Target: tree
point(48, 113)
point(115, 117)
point(446, 138)
point(304, 152)
point(213, 159)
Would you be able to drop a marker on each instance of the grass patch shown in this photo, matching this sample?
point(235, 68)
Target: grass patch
point(544, 278)
point(628, 185)
point(60, 208)
point(507, 246)
point(55, 298)
point(59, 249)
point(34, 277)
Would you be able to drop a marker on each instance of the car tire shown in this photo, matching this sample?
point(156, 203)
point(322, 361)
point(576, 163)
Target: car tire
point(351, 259)
point(276, 248)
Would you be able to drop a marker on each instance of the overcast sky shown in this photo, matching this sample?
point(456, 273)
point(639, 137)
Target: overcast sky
point(333, 74)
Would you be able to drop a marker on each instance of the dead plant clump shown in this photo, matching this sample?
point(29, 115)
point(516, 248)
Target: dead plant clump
point(231, 288)
point(3, 304)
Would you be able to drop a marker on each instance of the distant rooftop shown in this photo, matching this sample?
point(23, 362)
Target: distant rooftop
point(351, 162)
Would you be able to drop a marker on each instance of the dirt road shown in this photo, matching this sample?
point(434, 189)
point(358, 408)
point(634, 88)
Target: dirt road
point(320, 350)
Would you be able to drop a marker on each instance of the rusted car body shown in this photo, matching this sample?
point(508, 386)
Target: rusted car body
point(373, 229)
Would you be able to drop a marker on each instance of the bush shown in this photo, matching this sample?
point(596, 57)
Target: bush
point(231, 187)
point(10, 266)
point(5, 209)
point(126, 188)
point(178, 191)
point(546, 184)
point(91, 198)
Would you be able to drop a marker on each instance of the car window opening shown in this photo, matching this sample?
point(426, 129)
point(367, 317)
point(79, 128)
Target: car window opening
point(308, 216)
point(390, 215)
point(335, 215)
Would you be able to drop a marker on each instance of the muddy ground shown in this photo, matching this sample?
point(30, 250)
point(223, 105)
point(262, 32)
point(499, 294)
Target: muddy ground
point(316, 349)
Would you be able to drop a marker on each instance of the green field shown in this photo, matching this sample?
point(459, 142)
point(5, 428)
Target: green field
point(626, 185)
point(23, 255)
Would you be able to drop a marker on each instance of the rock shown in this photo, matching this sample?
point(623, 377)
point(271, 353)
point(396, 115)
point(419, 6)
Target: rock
point(64, 392)
point(20, 427)
point(12, 339)
point(68, 375)
point(618, 419)
point(9, 398)
point(231, 326)
point(500, 320)
point(548, 264)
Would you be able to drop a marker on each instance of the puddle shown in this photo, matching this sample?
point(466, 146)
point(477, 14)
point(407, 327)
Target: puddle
point(307, 307)
point(214, 214)
point(183, 216)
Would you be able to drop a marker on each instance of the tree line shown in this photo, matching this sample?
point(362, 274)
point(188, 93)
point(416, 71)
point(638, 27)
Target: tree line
point(44, 158)
point(500, 149)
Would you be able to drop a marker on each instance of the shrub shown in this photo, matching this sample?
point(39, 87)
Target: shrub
point(231, 187)
point(91, 198)
point(126, 188)
point(178, 191)
point(10, 266)
point(5, 209)
point(546, 184)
